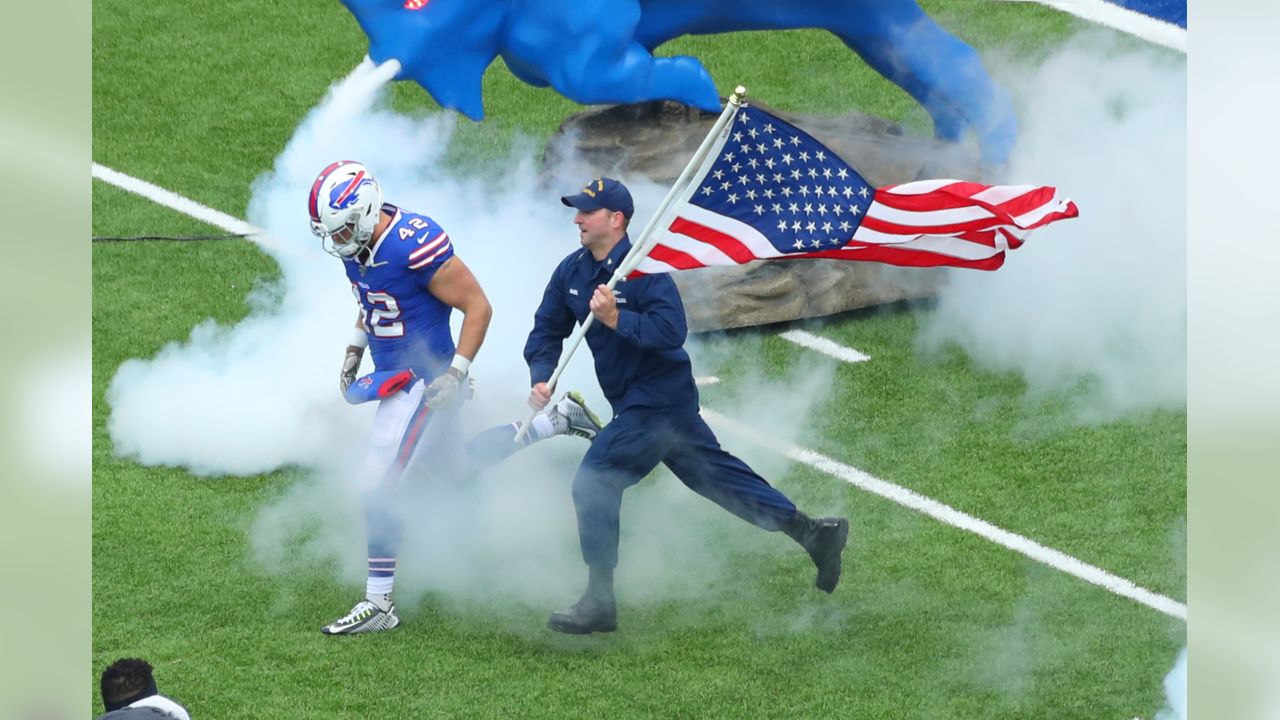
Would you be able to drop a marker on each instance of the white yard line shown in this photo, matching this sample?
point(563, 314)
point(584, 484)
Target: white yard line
point(174, 201)
point(706, 380)
point(1125, 20)
point(824, 346)
point(848, 473)
point(949, 515)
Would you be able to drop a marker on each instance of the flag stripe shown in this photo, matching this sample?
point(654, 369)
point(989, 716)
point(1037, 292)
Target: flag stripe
point(895, 255)
point(908, 231)
point(884, 208)
point(696, 249)
point(726, 244)
point(1001, 194)
point(919, 187)
point(1018, 204)
point(922, 201)
point(1045, 215)
point(962, 248)
point(674, 259)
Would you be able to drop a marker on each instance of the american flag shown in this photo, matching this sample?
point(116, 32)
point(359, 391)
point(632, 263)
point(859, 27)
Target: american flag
point(770, 191)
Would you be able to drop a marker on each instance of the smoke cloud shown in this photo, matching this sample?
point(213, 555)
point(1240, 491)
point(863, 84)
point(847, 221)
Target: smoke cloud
point(1094, 306)
point(1175, 691)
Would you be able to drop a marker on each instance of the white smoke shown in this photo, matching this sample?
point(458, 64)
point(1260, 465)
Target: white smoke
point(1175, 691)
point(262, 394)
point(1097, 302)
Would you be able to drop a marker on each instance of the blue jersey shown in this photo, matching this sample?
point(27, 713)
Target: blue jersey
point(408, 327)
point(641, 364)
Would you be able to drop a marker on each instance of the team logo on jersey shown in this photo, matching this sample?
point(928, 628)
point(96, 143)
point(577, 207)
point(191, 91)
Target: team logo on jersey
point(342, 196)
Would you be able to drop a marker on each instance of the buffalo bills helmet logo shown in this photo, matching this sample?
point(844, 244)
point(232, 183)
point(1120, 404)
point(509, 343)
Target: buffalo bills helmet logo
point(344, 195)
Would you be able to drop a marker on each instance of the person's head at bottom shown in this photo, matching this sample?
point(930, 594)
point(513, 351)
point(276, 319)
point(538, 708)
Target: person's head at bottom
point(126, 681)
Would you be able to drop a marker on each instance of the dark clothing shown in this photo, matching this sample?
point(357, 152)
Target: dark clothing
point(643, 362)
point(632, 445)
point(647, 377)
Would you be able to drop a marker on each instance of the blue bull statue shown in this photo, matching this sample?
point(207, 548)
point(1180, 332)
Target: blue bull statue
point(600, 51)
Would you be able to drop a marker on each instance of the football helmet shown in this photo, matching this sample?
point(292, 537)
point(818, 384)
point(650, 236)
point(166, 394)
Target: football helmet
point(345, 205)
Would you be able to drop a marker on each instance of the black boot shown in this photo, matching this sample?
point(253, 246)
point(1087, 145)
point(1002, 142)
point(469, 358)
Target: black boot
point(823, 539)
point(586, 616)
point(595, 611)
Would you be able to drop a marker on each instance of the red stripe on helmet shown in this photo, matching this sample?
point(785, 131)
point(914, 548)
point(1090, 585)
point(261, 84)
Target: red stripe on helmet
point(312, 204)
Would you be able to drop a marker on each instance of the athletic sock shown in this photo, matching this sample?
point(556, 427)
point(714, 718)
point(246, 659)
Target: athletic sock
point(544, 427)
point(381, 580)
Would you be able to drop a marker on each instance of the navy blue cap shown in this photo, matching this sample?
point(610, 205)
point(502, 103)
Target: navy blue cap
point(602, 193)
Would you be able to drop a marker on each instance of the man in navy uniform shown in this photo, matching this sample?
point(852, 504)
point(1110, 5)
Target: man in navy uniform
point(637, 340)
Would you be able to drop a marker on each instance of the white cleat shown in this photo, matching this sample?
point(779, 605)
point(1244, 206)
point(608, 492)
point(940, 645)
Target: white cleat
point(572, 416)
point(364, 617)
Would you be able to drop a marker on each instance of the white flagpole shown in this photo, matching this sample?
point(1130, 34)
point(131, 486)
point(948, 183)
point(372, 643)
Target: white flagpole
point(640, 248)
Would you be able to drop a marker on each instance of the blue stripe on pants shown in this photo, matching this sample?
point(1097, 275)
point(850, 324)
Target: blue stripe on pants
point(632, 445)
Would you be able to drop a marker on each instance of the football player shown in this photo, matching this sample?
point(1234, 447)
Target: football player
point(407, 281)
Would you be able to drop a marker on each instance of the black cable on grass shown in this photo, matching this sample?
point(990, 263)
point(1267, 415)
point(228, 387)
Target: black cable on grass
point(183, 238)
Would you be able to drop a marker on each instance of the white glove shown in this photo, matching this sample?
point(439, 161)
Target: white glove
point(350, 365)
point(445, 391)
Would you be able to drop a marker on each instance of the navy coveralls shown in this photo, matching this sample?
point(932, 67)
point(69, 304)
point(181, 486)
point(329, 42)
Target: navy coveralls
point(646, 376)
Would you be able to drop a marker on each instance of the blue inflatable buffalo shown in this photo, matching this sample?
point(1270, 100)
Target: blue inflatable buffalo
point(600, 51)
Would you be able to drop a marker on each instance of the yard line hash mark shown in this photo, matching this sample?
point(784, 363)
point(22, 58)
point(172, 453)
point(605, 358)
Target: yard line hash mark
point(824, 346)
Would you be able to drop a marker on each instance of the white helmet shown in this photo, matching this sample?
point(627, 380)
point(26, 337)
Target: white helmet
point(345, 205)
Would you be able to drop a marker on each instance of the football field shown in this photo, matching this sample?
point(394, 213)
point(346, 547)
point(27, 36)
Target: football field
point(1011, 455)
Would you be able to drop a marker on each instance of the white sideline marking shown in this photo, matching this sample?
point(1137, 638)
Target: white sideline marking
point(706, 380)
point(852, 475)
point(824, 346)
point(949, 515)
point(174, 201)
point(1123, 19)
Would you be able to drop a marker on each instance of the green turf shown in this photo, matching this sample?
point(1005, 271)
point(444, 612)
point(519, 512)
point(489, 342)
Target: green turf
point(930, 622)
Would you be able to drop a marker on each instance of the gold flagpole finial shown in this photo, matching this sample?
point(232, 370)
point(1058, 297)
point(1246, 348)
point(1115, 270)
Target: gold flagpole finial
point(739, 96)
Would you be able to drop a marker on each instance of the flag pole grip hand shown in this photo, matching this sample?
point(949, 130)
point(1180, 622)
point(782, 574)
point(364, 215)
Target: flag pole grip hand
point(574, 341)
point(640, 248)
